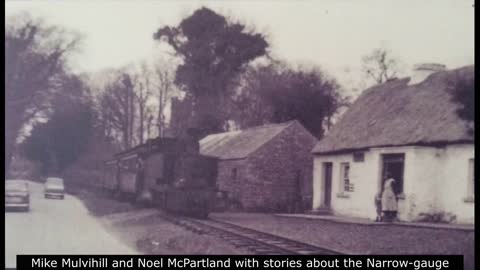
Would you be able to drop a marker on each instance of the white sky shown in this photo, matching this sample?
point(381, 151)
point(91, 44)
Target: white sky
point(333, 34)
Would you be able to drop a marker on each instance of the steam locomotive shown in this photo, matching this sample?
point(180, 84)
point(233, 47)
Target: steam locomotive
point(169, 173)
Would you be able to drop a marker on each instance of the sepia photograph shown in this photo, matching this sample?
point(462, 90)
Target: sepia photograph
point(239, 127)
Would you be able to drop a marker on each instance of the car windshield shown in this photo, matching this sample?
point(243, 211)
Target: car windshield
point(55, 181)
point(16, 185)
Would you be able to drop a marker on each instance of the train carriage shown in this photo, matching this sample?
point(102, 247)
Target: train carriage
point(168, 173)
point(157, 156)
point(110, 183)
point(127, 176)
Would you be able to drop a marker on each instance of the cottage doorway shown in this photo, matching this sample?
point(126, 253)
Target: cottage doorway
point(327, 184)
point(393, 166)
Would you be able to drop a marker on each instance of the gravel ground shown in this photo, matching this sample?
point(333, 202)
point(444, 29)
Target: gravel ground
point(151, 234)
point(100, 204)
point(362, 239)
point(143, 230)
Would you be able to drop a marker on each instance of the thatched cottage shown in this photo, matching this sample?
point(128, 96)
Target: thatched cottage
point(408, 128)
point(265, 168)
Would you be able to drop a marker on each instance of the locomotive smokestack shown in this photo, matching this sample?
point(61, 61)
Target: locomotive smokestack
point(192, 141)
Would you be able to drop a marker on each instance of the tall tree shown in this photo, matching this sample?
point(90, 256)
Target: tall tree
point(35, 55)
point(181, 115)
point(380, 66)
point(60, 141)
point(213, 51)
point(462, 90)
point(277, 93)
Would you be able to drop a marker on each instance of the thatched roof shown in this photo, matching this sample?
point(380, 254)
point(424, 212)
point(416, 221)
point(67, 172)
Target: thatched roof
point(240, 144)
point(395, 113)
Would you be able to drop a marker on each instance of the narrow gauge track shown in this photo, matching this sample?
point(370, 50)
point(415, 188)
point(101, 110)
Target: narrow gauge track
point(258, 242)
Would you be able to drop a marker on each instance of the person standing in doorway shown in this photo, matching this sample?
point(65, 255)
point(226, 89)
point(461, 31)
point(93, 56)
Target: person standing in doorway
point(389, 200)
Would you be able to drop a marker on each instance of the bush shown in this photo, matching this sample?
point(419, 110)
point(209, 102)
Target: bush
point(437, 217)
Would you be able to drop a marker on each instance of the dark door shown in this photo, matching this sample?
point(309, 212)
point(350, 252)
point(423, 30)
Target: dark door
point(393, 167)
point(297, 201)
point(327, 168)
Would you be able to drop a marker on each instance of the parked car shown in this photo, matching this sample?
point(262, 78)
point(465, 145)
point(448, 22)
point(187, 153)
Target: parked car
point(54, 188)
point(17, 194)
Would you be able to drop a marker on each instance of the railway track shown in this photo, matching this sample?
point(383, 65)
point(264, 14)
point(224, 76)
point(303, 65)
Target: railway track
point(258, 242)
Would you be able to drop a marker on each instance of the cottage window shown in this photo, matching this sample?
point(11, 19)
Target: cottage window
point(234, 174)
point(345, 177)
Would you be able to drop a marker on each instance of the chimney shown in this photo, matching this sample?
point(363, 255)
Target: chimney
point(422, 71)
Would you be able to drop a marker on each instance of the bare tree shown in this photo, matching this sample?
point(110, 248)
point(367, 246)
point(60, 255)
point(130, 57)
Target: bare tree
point(117, 106)
point(153, 90)
point(164, 82)
point(142, 94)
point(132, 101)
point(380, 66)
point(149, 124)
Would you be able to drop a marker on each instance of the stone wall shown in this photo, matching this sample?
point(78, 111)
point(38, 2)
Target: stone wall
point(231, 189)
point(267, 179)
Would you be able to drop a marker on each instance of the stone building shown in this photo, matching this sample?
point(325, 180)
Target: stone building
point(410, 129)
point(265, 168)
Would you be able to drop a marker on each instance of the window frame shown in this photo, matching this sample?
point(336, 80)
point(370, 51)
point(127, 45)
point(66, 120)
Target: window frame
point(345, 178)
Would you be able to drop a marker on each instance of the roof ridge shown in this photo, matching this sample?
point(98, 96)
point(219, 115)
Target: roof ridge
point(223, 133)
point(286, 123)
point(241, 143)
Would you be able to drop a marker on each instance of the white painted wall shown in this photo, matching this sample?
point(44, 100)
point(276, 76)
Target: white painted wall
point(435, 179)
point(452, 195)
point(363, 175)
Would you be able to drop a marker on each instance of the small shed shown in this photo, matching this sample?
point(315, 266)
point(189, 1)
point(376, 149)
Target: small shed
point(264, 168)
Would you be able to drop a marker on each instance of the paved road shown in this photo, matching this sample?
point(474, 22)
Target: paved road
point(56, 227)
